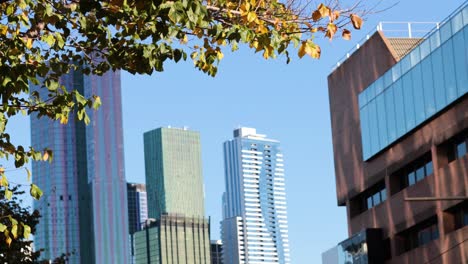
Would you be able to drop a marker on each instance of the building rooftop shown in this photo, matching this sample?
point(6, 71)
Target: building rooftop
point(402, 36)
point(403, 46)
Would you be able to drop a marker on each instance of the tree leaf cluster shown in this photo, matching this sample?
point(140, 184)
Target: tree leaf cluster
point(42, 40)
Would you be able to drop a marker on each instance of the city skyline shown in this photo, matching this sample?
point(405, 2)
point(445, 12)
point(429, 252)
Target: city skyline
point(300, 122)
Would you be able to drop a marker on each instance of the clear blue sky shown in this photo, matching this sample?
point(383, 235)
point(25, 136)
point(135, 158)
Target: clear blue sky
point(287, 102)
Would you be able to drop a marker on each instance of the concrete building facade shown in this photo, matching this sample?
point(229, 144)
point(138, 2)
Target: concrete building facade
point(399, 111)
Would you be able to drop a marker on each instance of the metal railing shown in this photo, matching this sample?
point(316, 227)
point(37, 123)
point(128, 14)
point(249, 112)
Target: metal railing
point(409, 29)
point(406, 30)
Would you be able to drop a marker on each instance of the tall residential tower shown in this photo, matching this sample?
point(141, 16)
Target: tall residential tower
point(84, 207)
point(255, 224)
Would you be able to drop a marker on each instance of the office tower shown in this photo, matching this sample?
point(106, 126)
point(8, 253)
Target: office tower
point(137, 211)
point(216, 250)
point(399, 111)
point(173, 239)
point(137, 206)
point(84, 206)
point(255, 225)
point(180, 232)
point(174, 178)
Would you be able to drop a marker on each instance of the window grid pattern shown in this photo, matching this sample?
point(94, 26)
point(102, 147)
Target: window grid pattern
point(429, 78)
point(255, 192)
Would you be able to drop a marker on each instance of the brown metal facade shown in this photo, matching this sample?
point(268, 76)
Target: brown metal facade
point(355, 177)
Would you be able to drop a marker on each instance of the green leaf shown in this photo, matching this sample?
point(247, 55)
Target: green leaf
point(12, 220)
point(2, 227)
point(26, 231)
point(35, 192)
point(14, 231)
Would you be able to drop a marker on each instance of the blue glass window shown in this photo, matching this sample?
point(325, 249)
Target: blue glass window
point(399, 109)
point(408, 101)
point(390, 111)
point(415, 56)
point(435, 40)
point(418, 94)
point(405, 64)
point(365, 131)
point(373, 127)
point(457, 23)
point(438, 78)
point(461, 63)
point(445, 31)
point(425, 48)
point(382, 120)
point(425, 81)
point(449, 71)
point(396, 72)
point(428, 86)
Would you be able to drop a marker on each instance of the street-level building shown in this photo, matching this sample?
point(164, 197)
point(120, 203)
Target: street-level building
point(173, 239)
point(399, 112)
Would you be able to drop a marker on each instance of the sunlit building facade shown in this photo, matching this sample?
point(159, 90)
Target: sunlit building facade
point(84, 206)
point(255, 223)
point(176, 201)
point(399, 111)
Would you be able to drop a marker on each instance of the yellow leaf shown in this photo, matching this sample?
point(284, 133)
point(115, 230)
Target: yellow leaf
point(8, 240)
point(45, 156)
point(331, 30)
point(64, 120)
point(2, 170)
point(184, 40)
point(29, 173)
point(251, 16)
point(313, 50)
point(3, 29)
point(356, 21)
point(220, 55)
point(346, 34)
point(324, 10)
point(29, 43)
point(302, 50)
point(335, 15)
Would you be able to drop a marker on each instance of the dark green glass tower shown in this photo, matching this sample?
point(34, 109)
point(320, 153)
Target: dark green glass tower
point(174, 178)
point(179, 232)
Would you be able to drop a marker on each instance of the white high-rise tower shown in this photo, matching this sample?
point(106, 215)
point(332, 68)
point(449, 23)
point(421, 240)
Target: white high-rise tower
point(255, 224)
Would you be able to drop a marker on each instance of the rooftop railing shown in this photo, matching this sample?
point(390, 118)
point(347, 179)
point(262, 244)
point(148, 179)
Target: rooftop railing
point(393, 30)
point(402, 30)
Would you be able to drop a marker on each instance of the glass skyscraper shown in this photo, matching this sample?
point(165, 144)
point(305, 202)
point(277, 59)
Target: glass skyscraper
point(174, 183)
point(84, 206)
point(174, 178)
point(137, 206)
point(255, 224)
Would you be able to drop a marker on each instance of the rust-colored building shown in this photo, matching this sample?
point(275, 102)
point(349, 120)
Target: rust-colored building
point(399, 111)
